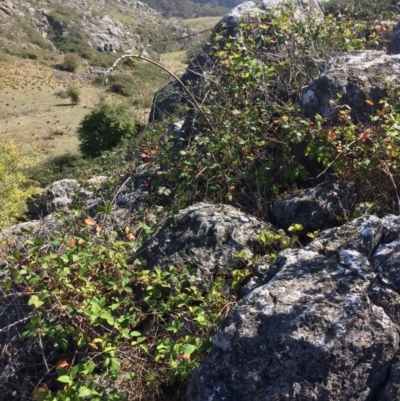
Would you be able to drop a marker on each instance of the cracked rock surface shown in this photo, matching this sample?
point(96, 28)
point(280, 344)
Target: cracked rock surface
point(323, 325)
point(355, 78)
point(206, 237)
point(324, 205)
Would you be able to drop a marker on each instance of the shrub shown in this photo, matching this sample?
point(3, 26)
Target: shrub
point(74, 94)
point(14, 186)
point(103, 129)
point(121, 331)
point(131, 62)
point(122, 84)
point(361, 9)
point(250, 149)
point(71, 62)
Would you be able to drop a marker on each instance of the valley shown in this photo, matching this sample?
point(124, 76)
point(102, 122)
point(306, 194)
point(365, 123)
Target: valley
point(33, 43)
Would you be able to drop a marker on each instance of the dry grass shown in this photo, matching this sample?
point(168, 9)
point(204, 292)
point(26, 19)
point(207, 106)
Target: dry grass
point(174, 61)
point(32, 114)
point(45, 125)
point(201, 23)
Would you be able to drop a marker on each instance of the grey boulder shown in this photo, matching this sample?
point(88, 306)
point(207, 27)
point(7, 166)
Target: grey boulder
point(355, 80)
point(206, 237)
point(324, 326)
point(325, 205)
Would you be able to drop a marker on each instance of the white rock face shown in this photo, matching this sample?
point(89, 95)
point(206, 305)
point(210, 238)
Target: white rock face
point(246, 9)
point(311, 7)
point(250, 9)
point(355, 78)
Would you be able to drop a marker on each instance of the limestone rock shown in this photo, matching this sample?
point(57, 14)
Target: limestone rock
point(357, 79)
point(311, 7)
point(64, 188)
point(325, 205)
point(206, 237)
point(65, 191)
point(362, 235)
point(323, 327)
point(394, 43)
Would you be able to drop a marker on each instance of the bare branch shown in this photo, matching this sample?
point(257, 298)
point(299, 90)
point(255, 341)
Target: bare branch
point(186, 89)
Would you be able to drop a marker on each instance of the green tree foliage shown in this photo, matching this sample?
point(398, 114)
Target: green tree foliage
point(14, 186)
point(103, 129)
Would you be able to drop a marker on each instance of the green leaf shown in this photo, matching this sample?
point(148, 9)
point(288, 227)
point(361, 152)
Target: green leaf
point(85, 392)
point(35, 301)
point(144, 347)
point(65, 379)
point(188, 349)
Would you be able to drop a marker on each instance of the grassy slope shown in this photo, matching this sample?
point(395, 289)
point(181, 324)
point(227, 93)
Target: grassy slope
point(202, 23)
point(45, 124)
point(29, 110)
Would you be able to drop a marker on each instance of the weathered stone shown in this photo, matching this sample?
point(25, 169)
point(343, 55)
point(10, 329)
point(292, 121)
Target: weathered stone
point(206, 237)
point(248, 9)
point(362, 235)
point(392, 388)
point(16, 235)
point(65, 191)
point(394, 43)
point(59, 203)
point(354, 79)
point(327, 204)
point(64, 188)
point(311, 7)
point(391, 226)
point(311, 332)
point(386, 262)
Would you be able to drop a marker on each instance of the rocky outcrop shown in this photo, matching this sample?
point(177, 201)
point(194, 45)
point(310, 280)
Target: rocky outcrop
point(8, 8)
point(58, 195)
point(311, 7)
point(206, 237)
point(327, 204)
point(171, 97)
point(394, 43)
point(355, 80)
point(323, 326)
point(319, 323)
point(107, 26)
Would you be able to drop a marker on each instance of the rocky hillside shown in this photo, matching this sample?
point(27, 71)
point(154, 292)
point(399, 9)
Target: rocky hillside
point(246, 249)
point(30, 28)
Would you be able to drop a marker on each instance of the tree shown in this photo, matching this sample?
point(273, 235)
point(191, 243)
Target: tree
point(103, 129)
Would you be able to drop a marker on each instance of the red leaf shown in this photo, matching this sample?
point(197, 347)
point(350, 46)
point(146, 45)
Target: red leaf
point(363, 136)
point(62, 364)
